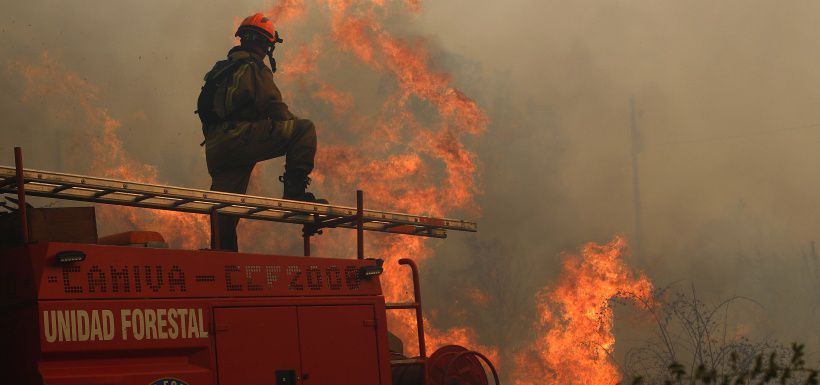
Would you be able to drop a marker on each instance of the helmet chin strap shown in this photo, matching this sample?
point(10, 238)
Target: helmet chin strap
point(276, 39)
point(271, 59)
point(269, 50)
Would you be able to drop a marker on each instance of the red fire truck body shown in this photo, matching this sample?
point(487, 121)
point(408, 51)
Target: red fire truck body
point(128, 315)
point(76, 309)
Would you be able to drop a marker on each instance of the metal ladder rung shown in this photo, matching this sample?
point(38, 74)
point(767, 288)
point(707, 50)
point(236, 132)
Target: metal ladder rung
point(289, 215)
point(220, 206)
point(421, 229)
point(402, 305)
point(408, 361)
point(338, 220)
point(143, 197)
point(103, 193)
point(7, 182)
point(256, 210)
point(403, 228)
point(61, 188)
point(181, 202)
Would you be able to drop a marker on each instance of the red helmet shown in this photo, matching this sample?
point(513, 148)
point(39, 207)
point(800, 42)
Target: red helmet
point(260, 24)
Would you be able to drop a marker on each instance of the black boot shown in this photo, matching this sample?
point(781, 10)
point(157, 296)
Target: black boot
point(295, 185)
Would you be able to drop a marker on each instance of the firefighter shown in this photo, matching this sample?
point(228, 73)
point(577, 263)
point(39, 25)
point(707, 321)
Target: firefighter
point(245, 121)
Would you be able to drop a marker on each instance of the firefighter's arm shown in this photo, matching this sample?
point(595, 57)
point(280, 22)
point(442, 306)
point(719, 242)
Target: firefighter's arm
point(278, 110)
point(270, 98)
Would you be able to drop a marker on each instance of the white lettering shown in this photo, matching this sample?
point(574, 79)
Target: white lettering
point(150, 324)
point(73, 325)
point(83, 326)
point(50, 328)
point(125, 322)
point(202, 332)
point(161, 324)
point(182, 319)
point(173, 332)
point(108, 325)
point(193, 328)
point(96, 326)
point(138, 324)
point(65, 326)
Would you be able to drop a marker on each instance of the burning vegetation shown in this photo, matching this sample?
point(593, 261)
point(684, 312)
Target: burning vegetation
point(417, 160)
point(575, 341)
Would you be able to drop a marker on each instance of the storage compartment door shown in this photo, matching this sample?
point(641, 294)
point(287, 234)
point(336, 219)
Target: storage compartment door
point(338, 345)
point(257, 345)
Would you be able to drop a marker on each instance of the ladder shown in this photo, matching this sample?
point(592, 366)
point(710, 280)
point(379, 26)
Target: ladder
point(313, 216)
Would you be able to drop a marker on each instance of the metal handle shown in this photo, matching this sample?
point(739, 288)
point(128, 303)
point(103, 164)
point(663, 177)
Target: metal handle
point(21, 193)
point(417, 303)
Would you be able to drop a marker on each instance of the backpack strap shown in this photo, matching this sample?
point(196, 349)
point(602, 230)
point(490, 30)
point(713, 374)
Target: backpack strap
point(205, 102)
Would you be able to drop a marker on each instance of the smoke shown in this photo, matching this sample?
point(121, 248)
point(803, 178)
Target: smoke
point(725, 97)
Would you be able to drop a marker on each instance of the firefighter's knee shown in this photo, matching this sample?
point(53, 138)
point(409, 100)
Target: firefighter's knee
point(306, 127)
point(305, 133)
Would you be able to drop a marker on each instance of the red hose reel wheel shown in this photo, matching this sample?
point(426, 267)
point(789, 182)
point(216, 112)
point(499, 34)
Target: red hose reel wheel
point(455, 365)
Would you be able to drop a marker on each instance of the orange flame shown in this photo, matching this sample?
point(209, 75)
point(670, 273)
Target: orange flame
point(575, 327)
point(477, 296)
point(340, 101)
point(397, 173)
point(413, 5)
point(408, 166)
point(304, 62)
point(108, 156)
point(286, 10)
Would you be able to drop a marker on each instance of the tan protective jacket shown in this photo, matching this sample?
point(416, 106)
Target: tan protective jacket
point(246, 98)
point(249, 94)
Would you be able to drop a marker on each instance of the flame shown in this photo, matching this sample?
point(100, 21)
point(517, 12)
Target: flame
point(304, 61)
point(575, 327)
point(477, 296)
point(404, 162)
point(109, 158)
point(396, 173)
point(286, 10)
point(412, 164)
point(339, 100)
point(413, 5)
point(356, 29)
point(430, 173)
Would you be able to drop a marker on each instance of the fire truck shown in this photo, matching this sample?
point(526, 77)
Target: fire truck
point(78, 309)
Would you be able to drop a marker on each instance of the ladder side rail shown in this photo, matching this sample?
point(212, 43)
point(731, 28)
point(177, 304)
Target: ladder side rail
point(109, 191)
point(284, 217)
point(79, 181)
point(105, 186)
point(203, 208)
point(128, 197)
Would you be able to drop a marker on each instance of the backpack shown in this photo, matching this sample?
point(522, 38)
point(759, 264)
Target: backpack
point(214, 81)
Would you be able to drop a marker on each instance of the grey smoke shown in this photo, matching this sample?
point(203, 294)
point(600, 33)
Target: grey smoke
point(726, 95)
